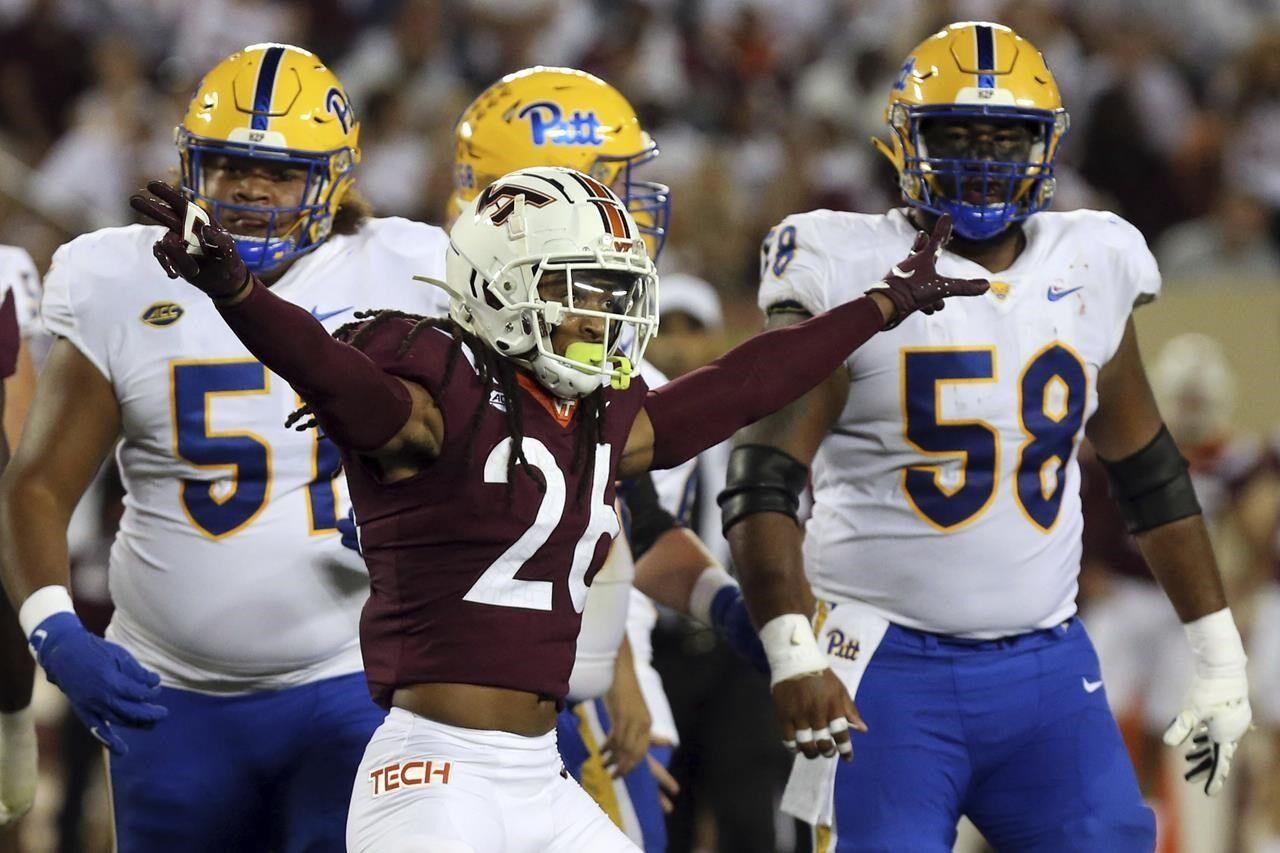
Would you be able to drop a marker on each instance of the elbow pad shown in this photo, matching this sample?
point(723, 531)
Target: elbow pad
point(761, 479)
point(1152, 486)
point(604, 622)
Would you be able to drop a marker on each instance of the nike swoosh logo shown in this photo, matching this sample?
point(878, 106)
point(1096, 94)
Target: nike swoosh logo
point(1090, 686)
point(322, 316)
point(1055, 295)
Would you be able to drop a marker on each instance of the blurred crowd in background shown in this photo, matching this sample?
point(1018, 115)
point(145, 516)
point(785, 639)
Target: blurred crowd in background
point(760, 108)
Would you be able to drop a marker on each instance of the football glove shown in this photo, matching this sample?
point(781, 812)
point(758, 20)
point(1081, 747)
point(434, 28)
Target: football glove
point(914, 284)
point(197, 248)
point(104, 683)
point(1215, 713)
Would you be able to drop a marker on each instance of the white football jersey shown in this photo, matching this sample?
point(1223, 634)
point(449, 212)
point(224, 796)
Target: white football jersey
point(227, 573)
point(947, 496)
point(18, 276)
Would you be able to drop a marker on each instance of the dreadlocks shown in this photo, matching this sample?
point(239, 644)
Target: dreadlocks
point(495, 372)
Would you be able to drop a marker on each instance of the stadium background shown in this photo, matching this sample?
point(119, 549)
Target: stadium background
point(761, 108)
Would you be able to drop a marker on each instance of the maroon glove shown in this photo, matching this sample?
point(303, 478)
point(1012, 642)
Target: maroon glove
point(200, 251)
point(914, 284)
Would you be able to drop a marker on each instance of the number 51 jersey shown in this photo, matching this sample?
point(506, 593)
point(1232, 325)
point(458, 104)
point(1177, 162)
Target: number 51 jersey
point(947, 496)
point(227, 572)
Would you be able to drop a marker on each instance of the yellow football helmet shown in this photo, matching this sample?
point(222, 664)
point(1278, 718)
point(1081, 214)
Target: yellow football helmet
point(559, 117)
point(280, 104)
point(981, 72)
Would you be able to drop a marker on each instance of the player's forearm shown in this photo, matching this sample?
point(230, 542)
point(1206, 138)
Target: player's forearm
point(766, 553)
point(669, 570)
point(360, 406)
point(1181, 558)
point(33, 535)
point(703, 408)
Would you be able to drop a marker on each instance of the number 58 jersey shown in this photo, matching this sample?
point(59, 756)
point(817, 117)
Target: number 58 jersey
point(227, 573)
point(947, 495)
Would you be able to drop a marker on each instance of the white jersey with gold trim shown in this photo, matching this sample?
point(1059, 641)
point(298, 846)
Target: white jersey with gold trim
point(947, 494)
point(227, 573)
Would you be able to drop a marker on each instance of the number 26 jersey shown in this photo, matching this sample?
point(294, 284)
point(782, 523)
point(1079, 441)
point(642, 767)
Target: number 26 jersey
point(947, 495)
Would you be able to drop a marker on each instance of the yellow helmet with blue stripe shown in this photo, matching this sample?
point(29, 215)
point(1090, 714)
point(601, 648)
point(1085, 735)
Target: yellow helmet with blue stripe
point(982, 73)
point(559, 117)
point(278, 104)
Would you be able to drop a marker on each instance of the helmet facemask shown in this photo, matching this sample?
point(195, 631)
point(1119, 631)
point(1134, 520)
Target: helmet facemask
point(985, 187)
point(292, 230)
point(649, 202)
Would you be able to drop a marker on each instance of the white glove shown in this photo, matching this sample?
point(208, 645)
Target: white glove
point(1215, 712)
point(17, 765)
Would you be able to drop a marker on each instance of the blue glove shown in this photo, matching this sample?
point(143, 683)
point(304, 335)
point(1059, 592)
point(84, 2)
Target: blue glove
point(350, 536)
point(105, 684)
point(732, 624)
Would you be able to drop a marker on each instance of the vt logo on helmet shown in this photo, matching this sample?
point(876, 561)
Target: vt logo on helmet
point(976, 121)
point(548, 268)
point(559, 117)
point(275, 114)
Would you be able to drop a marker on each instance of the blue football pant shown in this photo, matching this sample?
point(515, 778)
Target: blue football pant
point(633, 802)
point(1014, 733)
point(263, 771)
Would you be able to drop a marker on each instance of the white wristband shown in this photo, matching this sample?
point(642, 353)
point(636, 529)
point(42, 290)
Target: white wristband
point(791, 648)
point(41, 604)
point(1216, 645)
point(709, 583)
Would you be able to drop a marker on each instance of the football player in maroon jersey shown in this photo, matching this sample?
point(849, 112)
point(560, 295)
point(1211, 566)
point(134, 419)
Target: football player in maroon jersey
point(481, 452)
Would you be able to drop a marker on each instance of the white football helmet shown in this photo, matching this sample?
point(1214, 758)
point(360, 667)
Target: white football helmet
point(543, 220)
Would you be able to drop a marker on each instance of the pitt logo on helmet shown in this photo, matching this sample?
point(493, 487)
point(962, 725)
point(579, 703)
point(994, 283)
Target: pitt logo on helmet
point(276, 106)
point(559, 117)
point(547, 124)
point(976, 121)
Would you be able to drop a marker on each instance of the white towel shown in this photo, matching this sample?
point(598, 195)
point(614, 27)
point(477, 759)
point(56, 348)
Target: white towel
point(849, 634)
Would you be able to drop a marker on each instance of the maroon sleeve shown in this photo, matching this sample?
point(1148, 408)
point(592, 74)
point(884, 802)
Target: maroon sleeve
point(703, 408)
point(360, 406)
point(10, 337)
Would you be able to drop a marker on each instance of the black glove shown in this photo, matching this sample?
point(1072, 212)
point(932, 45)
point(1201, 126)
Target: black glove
point(197, 247)
point(914, 284)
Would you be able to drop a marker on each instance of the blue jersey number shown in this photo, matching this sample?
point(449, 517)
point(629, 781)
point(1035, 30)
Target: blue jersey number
point(776, 256)
point(975, 443)
point(1051, 400)
point(245, 455)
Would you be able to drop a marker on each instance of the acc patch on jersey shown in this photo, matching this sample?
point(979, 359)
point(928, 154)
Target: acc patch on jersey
point(160, 314)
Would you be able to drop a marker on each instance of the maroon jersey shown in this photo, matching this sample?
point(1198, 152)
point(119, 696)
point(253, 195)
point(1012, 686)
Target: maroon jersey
point(475, 579)
point(10, 339)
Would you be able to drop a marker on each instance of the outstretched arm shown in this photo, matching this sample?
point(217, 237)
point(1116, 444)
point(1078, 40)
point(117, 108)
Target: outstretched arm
point(361, 407)
point(1150, 480)
point(703, 408)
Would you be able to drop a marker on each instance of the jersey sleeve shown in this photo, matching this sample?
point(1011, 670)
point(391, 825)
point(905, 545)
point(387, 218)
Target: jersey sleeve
point(792, 270)
point(64, 305)
point(1136, 276)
